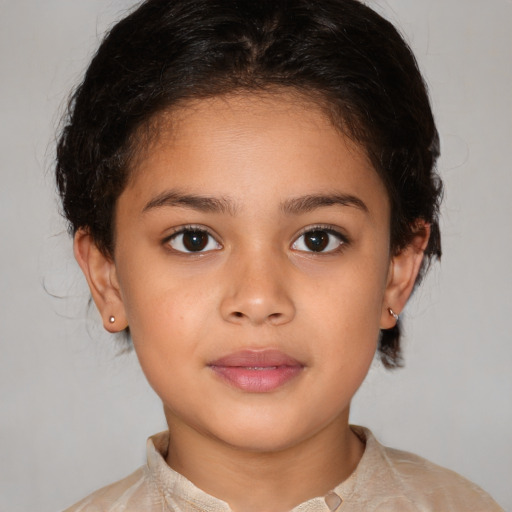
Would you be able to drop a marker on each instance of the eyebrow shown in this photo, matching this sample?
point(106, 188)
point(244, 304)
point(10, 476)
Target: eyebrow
point(192, 201)
point(311, 202)
point(293, 206)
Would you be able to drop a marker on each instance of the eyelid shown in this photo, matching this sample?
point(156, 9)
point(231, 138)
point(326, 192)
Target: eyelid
point(328, 228)
point(190, 227)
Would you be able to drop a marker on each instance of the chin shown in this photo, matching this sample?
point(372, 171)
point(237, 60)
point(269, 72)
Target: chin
point(261, 442)
point(264, 436)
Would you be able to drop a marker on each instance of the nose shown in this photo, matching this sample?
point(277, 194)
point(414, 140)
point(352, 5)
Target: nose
point(257, 291)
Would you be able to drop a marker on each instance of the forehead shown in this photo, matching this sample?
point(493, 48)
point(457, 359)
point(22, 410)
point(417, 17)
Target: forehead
point(283, 143)
point(245, 112)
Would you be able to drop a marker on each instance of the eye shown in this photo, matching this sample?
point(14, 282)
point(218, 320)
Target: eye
point(319, 240)
point(193, 240)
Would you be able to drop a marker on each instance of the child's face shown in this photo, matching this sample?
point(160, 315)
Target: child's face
point(252, 266)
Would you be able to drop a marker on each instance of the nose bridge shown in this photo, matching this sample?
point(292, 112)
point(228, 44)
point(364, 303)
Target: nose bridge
point(258, 291)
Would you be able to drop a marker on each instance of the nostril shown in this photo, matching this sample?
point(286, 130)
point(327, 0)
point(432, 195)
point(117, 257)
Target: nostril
point(238, 314)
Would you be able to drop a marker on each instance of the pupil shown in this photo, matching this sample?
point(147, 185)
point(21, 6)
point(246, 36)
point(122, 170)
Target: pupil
point(195, 240)
point(317, 240)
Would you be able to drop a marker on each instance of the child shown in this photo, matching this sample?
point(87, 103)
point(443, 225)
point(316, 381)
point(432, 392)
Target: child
point(252, 194)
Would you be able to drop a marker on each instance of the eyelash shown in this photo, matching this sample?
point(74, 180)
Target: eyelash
point(331, 231)
point(191, 229)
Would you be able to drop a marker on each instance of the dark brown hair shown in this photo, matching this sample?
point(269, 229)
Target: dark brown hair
point(338, 52)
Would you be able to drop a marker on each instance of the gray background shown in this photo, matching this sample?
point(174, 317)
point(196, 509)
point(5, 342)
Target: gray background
point(74, 417)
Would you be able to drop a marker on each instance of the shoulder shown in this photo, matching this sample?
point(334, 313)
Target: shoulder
point(431, 483)
point(412, 483)
point(133, 493)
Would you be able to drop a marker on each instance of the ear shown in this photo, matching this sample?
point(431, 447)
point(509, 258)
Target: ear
point(100, 272)
point(403, 271)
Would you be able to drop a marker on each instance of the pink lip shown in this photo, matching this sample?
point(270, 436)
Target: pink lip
point(257, 371)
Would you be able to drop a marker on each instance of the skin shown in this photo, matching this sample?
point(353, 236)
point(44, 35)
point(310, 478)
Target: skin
point(257, 286)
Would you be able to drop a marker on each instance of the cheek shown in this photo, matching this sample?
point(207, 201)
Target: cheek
point(161, 329)
point(158, 294)
point(351, 296)
point(345, 312)
point(168, 317)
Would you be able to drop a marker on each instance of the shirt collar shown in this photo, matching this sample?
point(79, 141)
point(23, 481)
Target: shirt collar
point(182, 495)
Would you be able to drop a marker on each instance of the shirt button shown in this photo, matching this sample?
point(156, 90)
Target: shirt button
point(333, 501)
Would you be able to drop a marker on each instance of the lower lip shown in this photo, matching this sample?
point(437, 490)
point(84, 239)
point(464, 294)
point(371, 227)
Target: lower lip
point(257, 380)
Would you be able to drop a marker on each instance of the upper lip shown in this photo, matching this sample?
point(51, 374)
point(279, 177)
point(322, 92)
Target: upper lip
point(256, 358)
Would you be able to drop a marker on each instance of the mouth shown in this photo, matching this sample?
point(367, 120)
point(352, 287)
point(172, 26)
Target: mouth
point(257, 371)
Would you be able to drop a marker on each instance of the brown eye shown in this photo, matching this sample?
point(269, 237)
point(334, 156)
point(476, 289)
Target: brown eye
point(319, 240)
point(193, 240)
point(316, 240)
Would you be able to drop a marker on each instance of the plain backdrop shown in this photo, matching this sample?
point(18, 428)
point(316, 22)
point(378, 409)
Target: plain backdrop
point(74, 415)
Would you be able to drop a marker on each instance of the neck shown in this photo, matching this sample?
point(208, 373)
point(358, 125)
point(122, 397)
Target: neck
point(278, 480)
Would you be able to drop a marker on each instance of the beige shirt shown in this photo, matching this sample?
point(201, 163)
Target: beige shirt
point(385, 480)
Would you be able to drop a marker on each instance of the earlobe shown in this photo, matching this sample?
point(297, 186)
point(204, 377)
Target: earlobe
point(100, 273)
point(403, 271)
